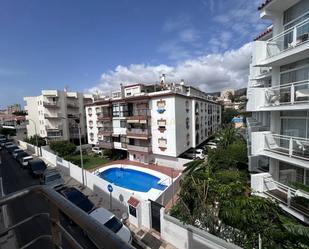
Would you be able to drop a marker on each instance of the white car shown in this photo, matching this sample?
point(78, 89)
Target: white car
point(109, 220)
point(97, 150)
point(24, 161)
point(211, 145)
point(199, 153)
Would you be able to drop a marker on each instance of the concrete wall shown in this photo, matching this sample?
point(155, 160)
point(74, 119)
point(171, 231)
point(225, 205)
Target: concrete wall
point(189, 237)
point(173, 162)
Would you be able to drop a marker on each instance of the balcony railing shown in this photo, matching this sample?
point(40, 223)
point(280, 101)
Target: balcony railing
point(54, 116)
point(106, 131)
point(288, 94)
point(290, 146)
point(139, 114)
point(138, 132)
point(58, 205)
point(53, 127)
point(106, 145)
point(104, 116)
point(51, 104)
point(72, 105)
point(286, 195)
point(288, 39)
point(139, 148)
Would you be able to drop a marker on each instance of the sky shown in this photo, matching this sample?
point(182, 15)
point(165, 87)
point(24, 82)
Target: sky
point(95, 45)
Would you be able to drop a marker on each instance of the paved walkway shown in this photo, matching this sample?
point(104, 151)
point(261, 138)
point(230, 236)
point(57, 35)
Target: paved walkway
point(162, 169)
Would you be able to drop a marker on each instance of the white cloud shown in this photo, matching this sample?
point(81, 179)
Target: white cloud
point(211, 72)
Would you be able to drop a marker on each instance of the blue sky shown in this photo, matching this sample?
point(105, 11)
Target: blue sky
point(95, 45)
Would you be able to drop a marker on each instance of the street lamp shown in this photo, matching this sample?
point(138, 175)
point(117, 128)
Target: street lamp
point(77, 121)
point(36, 135)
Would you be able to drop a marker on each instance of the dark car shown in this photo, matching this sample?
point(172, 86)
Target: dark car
point(77, 198)
point(37, 167)
point(11, 149)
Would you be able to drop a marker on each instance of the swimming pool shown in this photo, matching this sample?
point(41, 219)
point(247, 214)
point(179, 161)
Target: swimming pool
point(132, 179)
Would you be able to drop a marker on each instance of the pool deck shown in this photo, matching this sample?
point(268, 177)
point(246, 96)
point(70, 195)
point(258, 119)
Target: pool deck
point(162, 169)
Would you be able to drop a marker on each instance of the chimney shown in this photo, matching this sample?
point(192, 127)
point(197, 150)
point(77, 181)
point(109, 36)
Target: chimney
point(162, 78)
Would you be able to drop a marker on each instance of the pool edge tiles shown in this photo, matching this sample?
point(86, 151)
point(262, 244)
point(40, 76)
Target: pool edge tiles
point(162, 181)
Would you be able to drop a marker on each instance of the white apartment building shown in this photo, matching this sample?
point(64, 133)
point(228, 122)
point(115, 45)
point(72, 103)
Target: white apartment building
point(153, 123)
point(55, 114)
point(278, 97)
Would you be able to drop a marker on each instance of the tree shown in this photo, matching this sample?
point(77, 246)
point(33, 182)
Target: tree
point(63, 148)
point(32, 140)
point(228, 114)
point(20, 113)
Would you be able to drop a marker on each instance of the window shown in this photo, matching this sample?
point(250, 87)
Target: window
point(162, 142)
point(187, 123)
point(123, 123)
point(187, 105)
point(161, 103)
point(132, 211)
point(162, 125)
point(188, 139)
point(89, 111)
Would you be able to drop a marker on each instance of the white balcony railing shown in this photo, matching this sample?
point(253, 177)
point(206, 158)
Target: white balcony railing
point(286, 195)
point(139, 148)
point(288, 39)
point(288, 94)
point(138, 132)
point(286, 145)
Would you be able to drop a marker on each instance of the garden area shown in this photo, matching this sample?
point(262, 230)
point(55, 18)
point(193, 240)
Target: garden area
point(215, 196)
point(91, 160)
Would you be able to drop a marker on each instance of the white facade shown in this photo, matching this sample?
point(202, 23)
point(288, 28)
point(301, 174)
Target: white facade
point(278, 97)
point(55, 114)
point(154, 123)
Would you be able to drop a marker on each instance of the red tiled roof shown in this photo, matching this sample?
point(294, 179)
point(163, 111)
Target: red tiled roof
point(133, 202)
point(264, 33)
point(264, 4)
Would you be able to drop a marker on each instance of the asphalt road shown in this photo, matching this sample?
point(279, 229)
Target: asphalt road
point(15, 178)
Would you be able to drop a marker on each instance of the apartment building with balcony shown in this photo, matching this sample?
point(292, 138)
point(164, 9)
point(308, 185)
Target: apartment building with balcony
point(153, 123)
point(278, 97)
point(56, 115)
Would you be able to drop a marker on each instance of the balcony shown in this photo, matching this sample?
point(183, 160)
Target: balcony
point(53, 127)
point(72, 105)
point(106, 131)
point(288, 198)
point(289, 146)
point(106, 145)
point(288, 94)
point(139, 148)
point(51, 104)
point(54, 116)
point(138, 133)
point(289, 46)
point(139, 116)
point(104, 116)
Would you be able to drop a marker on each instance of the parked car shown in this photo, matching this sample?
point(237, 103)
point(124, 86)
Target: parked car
point(7, 144)
point(78, 198)
point(24, 161)
point(3, 140)
point(16, 152)
point(211, 145)
point(11, 148)
point(52, 178)
point(97, 150)
point(109, 220)
point(193, 154)
point(21, 155)
point(37, 167)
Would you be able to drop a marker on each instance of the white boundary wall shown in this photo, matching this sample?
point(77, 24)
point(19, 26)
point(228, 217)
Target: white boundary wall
point(189, 237)
point(99, 187)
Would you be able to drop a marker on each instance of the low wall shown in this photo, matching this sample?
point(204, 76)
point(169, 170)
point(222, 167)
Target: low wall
point(168, 193)
point(189, 237)
point(97, 185)
point(173, 162)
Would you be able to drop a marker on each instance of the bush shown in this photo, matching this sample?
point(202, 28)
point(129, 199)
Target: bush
point(107, 153)
point(76, 159)
point(63, 148)
point(32, 140)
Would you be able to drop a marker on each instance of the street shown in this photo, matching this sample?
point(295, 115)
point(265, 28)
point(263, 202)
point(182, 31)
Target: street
point(15, 178)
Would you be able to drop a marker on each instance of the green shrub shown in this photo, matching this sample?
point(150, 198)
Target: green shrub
point(63, 148)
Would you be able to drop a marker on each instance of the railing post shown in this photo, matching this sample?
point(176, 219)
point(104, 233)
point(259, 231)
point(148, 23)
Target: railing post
point(291, 147)
point(54, 226)
point(294, 37)
point(292, 94)
point(289, 197)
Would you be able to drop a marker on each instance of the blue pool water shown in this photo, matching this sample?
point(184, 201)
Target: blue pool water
point(132, 179)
